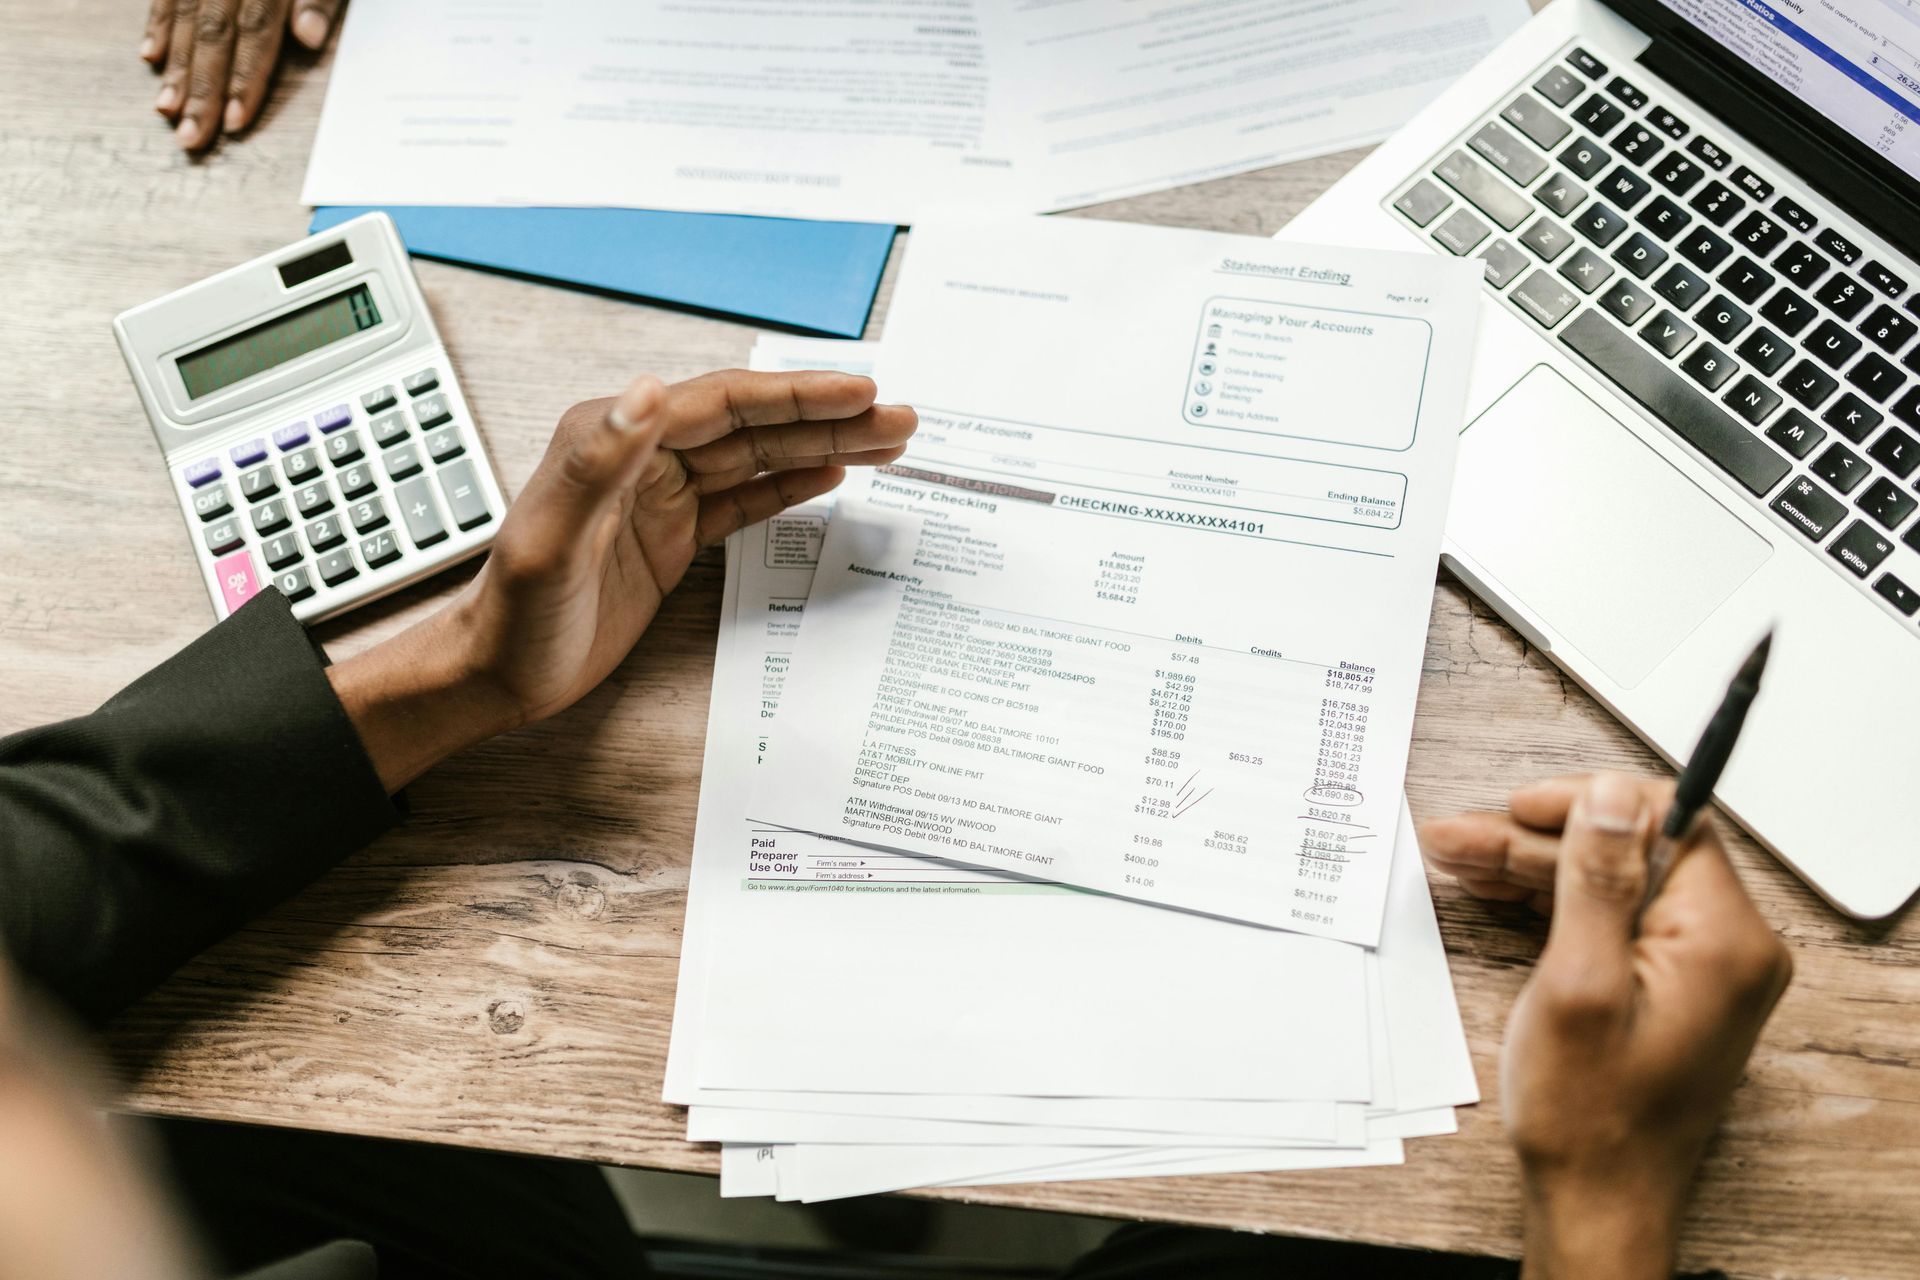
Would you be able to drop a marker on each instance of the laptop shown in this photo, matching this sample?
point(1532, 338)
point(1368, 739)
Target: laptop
point(1695, 406)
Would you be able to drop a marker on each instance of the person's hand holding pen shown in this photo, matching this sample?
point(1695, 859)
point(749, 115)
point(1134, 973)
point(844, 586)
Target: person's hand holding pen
point(1625, 1044)
point(216, 57)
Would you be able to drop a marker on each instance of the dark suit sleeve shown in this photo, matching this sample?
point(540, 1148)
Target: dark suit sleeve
point(204, 792)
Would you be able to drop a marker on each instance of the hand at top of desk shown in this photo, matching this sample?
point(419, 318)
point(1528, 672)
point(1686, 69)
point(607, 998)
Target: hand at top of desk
point(216, 57)
point(629, 490)
point(1631, 1035)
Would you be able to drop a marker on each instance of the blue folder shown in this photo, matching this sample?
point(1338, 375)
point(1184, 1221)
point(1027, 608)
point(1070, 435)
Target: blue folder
point(806, 275)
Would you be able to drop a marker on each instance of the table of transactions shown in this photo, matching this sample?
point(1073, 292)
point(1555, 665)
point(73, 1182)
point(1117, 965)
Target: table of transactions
point(1076, 698)
point(499, 970)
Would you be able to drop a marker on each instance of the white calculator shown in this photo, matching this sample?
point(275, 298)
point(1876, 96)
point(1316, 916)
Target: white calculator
point(311, 424)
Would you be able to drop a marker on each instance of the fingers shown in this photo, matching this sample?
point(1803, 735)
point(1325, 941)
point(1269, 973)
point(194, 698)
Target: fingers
point(742, 505)
point(1598, 892)
point(173, 80)
point(153, 45)
point(709, 407)
point(1492, 848)
point(595, 457)
point(215, 27)
point(741, 455)
point(256, 50)
point(312, 21)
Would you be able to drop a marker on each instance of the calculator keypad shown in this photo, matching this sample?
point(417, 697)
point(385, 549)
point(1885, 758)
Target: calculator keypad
point(321, 509)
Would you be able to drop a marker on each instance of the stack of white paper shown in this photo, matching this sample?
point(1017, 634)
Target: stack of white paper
point(855, 1018)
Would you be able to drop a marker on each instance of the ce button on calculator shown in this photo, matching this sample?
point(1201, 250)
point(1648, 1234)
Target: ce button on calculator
point(311, 424)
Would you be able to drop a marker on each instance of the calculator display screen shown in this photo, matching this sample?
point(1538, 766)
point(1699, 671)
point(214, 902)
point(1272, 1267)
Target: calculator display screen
point(276, 341)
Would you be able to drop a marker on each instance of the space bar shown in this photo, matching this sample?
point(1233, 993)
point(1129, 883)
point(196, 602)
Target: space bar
point(1663, 393)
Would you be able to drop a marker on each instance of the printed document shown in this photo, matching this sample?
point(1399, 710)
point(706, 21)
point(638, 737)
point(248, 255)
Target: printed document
point(1142, 610)
point(1415, 1053)
point(869, 112)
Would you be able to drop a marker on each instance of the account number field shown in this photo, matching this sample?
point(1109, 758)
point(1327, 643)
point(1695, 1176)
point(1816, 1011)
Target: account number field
point(1048, 459)
point(1308, 373)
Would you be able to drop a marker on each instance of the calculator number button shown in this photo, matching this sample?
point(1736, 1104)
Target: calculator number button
point(368, 515)
point(237, 579)
point(356, 480)
point(301, 467)
point(432, 410)
point(464, 497)
point(325, 533)
point(258, 483)
point(380, 549)
point(403, 462)
point(337, 566)
point(446, 443)
point(421, 511)
point(294, 584)
point(281, 550)
point(343, 448)
point(208, 503)
point(224, 535)
point(314, 498)
point(422, 382)
point(270, 517)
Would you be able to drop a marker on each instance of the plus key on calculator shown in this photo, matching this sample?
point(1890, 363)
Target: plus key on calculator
point(311, 425)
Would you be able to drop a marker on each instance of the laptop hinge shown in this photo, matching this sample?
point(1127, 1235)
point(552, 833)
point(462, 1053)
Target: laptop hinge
point(1801, 150)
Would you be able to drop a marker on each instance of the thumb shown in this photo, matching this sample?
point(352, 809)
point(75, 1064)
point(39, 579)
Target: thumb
point(1598, 888)
point(596, 456)
point(604, 454)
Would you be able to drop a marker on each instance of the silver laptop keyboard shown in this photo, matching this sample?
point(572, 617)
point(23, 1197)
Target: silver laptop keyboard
point(1712, 294)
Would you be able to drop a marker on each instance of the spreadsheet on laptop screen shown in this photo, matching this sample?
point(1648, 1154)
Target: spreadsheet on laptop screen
point(1857, 62)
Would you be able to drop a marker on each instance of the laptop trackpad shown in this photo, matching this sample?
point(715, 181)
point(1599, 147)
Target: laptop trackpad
point(1594, 533)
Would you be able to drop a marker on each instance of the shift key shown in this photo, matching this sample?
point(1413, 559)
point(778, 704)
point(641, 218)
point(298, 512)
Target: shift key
point(1487, 193)
point(465, 498)
point(421, 512)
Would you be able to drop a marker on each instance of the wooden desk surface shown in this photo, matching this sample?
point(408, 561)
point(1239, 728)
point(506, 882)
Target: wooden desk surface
point(499, 972)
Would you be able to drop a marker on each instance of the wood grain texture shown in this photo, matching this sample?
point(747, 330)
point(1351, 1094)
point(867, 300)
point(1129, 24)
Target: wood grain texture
point(499, 972)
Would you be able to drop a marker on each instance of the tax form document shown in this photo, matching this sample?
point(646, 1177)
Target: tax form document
point(1143, 608)
point(864, 112)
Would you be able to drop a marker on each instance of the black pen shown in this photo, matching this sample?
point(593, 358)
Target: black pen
point(1702, 773)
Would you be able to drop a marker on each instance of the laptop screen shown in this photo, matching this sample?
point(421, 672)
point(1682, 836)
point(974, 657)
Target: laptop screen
point(1856, 62)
